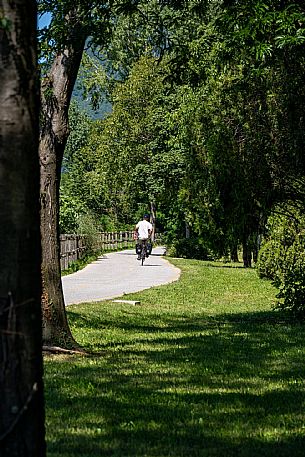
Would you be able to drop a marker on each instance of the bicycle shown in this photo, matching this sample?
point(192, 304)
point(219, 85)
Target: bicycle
point(143, 254)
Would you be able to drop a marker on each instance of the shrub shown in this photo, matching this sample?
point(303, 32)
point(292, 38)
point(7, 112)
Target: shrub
point(70, 210)
point(291, 281)
point(282, 257)
point(76, 218)
point(269, 259)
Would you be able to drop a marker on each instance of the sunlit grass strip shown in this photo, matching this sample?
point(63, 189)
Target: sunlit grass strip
point(202, 367)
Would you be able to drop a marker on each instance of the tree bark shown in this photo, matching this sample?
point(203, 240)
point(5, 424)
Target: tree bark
point(21, 387)
point(153, 219)
point(187, 230)
point(247, 254)
point(56, 95)
point(234, 253)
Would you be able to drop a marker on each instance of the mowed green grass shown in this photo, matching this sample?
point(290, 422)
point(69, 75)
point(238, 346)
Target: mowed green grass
point(202, 367)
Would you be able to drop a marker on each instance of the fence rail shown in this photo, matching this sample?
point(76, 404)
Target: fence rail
point(112, 241)
point(73, 247)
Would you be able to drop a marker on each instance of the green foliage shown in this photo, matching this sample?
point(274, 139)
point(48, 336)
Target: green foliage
point(154, 28)
point(84, 190)
point(70, 211)
point(132, 142)
point(80, 129)
point(281, 232)
point(189, 248)
point(5, 23)
point(245, 136)
point(81, 263)
point(282, 257)
point(92, 86)
point(76, 218)
point(89, 225)
point(107, 223)
point(269, 259)
point(292, 278)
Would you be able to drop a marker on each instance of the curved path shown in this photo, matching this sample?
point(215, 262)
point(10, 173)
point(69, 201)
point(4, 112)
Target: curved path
point(116, 274)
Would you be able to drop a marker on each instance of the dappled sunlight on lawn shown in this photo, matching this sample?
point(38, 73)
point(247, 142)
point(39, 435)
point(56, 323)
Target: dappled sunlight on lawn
point(162, 382)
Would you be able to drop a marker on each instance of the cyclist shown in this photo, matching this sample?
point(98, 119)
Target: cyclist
point(143, 232)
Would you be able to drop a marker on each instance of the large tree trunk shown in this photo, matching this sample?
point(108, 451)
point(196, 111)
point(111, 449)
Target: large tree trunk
point(21, 388)
point(56, 95)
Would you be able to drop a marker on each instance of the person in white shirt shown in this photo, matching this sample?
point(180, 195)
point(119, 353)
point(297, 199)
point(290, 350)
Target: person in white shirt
point(143, 232)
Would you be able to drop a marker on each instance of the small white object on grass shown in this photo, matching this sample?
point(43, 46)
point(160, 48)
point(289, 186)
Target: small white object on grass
point(129, 302)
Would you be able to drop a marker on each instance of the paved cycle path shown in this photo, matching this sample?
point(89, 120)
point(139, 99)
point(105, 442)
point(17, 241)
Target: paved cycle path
point(116, 274)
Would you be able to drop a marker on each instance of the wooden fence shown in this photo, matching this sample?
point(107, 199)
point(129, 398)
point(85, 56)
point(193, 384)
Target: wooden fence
point(73, 247)
point(113, 241)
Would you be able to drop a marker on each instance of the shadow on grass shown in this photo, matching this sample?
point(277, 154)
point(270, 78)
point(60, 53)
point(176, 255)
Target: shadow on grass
point(231, 386)
point(228, 265)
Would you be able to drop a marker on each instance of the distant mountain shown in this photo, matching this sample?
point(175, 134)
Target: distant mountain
point(101, 113)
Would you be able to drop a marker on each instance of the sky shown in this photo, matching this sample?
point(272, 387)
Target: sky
point(44, 20)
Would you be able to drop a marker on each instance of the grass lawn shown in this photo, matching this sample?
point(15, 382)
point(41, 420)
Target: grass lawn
point(202, 367)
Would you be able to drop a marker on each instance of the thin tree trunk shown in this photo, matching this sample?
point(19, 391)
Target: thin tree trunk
point(21, 387)
point(153, 219)
point(234, 254)
point(56, 95)
point(247, 254)
point(187, 230)
point(255, 254)
point(256, 248)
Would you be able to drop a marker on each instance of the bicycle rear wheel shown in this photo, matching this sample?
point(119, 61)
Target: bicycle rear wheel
point(143, 253)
